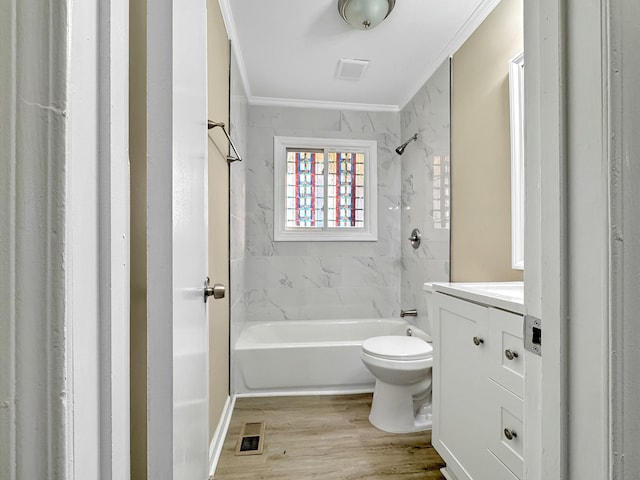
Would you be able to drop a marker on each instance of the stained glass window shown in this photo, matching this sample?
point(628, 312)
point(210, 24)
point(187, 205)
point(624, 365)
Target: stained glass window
point(324, 190)
point(306, 193)
point(305, 188)
point(345, 190)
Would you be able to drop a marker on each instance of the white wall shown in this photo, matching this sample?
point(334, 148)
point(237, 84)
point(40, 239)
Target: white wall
point(428, 113)
point(317, 280)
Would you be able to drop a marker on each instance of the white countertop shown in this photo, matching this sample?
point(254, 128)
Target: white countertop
point(505, 295)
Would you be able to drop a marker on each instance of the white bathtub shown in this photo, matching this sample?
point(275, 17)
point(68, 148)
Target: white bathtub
point(307, 356)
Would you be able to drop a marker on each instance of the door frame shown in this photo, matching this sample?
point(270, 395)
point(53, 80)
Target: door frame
point(98, 309)
point(568, 230)
point(624, 178)
point(545, 237)
point(65, 223)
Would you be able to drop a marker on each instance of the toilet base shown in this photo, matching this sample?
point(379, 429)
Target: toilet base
point(394, 408)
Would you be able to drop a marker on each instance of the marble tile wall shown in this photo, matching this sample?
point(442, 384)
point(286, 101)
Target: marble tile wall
point(428, 114)
point(320, 280)
point(239, 119)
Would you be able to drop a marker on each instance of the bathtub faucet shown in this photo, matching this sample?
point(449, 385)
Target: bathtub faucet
point(409, 313)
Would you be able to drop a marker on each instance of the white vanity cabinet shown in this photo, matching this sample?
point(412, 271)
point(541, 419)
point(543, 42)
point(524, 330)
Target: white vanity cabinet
point(477, 389)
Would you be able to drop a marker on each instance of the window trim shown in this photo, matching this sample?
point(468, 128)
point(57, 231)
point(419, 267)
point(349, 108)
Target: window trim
point(312, 234)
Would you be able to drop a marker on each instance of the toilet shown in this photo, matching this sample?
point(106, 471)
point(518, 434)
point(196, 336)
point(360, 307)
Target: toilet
point(402, 367)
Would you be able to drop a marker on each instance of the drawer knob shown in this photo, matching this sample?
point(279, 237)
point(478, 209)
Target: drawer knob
point(510, 354)
point(478, 340)
point(510, 434)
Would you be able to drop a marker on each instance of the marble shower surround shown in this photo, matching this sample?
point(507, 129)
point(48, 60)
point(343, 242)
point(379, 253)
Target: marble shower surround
point(320, 280)
point(429, 114)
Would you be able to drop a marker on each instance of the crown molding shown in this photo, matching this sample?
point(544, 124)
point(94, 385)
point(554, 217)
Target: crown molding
point(462, 35)
point(230, 25)
point(296, 103)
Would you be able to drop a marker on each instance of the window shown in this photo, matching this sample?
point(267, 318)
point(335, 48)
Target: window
point(441, 192)
point(516, 100)
point(324, 189)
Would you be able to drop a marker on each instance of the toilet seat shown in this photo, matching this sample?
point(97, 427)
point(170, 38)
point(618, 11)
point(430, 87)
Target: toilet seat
point(396, 347)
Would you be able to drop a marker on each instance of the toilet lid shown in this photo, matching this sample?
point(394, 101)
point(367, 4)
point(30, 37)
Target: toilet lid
point(398, 347)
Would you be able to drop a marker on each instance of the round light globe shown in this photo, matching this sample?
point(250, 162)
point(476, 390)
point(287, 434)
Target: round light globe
point(365, 14)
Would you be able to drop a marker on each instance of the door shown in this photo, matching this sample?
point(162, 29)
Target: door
point(178, 430)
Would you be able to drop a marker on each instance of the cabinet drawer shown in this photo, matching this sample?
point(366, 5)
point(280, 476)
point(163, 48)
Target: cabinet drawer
point(505, 417)
point(496, 470)
point(506, 350)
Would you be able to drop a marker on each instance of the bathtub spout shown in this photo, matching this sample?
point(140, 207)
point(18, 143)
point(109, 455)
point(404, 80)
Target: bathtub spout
point(409, 313)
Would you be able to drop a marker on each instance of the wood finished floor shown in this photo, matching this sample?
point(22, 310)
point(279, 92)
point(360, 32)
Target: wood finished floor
point(324, 437)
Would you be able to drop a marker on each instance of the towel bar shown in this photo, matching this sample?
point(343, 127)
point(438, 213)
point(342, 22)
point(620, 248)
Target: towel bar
point(230, 158)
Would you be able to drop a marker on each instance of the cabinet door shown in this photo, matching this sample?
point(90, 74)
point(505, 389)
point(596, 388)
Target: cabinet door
point(506, 350)
point(459, 376)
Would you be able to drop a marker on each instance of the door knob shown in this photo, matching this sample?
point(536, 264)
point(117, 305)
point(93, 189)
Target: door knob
point(218, 290)
point(478, 340)
point(510, 434)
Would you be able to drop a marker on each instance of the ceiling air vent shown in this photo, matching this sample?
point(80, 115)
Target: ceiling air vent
point(351, 69)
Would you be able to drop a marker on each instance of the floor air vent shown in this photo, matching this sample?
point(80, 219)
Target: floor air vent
point(251, 440)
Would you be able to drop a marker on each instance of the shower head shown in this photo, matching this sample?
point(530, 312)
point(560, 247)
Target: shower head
point(400, 149)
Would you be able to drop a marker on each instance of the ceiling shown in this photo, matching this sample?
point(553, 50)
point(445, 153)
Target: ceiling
point(288, 50)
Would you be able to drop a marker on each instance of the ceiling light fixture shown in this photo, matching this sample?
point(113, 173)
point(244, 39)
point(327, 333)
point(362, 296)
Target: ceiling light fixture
point(365, 14)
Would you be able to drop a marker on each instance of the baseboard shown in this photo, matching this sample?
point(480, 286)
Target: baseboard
point(215, 448)
point(302, 393)
point(447, 474)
